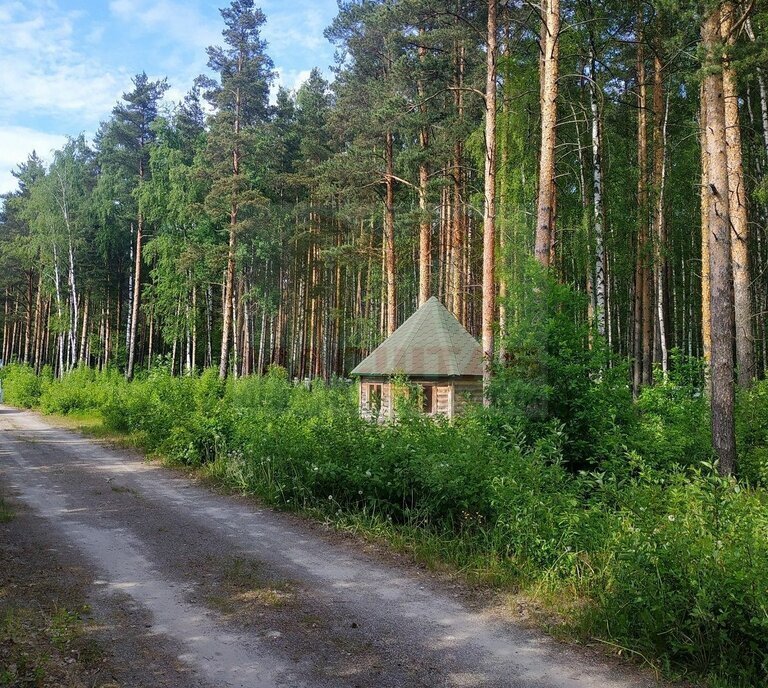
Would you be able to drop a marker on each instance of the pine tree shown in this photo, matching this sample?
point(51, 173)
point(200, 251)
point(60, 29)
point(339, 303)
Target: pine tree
point(124, 146)
point(240, 98)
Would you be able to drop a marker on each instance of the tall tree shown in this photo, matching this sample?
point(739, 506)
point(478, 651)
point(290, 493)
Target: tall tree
point(550, 69)
point(737, 201)
point(643, 285)
point(719, 227)
point(124, 143)
point(240, 98)
point(489, 206)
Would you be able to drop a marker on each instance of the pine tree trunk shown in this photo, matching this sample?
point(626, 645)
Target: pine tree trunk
point(721, 308)
point(545, 213)
point(28, 319)
point(643, 322)
point(745, 346)
point(454, 247)
point(489, 208)
point(6, 338)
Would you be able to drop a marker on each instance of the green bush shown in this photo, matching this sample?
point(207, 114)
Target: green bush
point(560, 372)
point(82, 389)
point(674, 425)
point(21, 387)
point(752, 433)
point(684, 577)
point(667, 558)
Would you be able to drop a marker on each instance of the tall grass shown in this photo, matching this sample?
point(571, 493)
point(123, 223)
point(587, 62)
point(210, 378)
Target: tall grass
point(665, 557)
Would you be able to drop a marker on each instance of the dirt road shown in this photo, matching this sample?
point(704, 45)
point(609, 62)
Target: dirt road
point(201, 589)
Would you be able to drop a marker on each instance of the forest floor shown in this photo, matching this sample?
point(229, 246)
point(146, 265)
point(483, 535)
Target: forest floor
point(115, 571)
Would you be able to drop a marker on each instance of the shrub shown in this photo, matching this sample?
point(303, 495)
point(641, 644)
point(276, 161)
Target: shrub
point(21, 386)
point(666, 557)
point(674, 425)
point(752, 433)
point(560, 372)
point(82, 389)
point(684, 578)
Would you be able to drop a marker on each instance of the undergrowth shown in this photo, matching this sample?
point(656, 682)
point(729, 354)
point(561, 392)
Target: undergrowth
point(657, 553)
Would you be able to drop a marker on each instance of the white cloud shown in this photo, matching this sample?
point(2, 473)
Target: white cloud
point(180, 22)
point(42, 70)
point(16, 143)
point(300, 29)
point(291, 79)
point(65, 63)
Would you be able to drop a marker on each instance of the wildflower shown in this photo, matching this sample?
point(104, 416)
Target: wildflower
point(368, 473)
point(671, 517)
point(330, 497)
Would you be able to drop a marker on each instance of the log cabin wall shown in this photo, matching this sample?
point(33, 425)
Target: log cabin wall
point(466, 391)
point(448, 397)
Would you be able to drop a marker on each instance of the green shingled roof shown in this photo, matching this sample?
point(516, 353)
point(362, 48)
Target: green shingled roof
point(431, 343)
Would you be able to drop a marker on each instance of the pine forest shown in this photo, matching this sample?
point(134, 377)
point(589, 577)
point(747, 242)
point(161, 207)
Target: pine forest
point(581, 184)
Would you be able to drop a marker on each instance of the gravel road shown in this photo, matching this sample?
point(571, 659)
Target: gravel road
point(222, 592)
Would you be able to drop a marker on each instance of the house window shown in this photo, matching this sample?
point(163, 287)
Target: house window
point(428, 399)
point(374, 398)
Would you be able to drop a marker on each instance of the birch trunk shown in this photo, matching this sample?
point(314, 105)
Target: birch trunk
point(597, 198)
point(136, 285)
point(84, 333)
point(425, 250)
point(229, 278)
point(389, 234)
point(57, 287)
point(658, 218)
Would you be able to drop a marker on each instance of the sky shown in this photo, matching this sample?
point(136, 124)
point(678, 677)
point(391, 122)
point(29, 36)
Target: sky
point(65, 63)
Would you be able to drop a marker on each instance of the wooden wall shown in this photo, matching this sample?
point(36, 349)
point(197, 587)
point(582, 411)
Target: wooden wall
point(451, 396)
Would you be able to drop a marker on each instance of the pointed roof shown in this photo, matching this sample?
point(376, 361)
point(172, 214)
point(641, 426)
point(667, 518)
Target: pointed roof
point(431, 343)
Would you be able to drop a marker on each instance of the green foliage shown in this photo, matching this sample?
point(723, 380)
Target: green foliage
point(82, 389)
point(21, 387)
point(658, 553)
point(674, 425)
point(559, 373)
point(752, 433)
point(683, 577)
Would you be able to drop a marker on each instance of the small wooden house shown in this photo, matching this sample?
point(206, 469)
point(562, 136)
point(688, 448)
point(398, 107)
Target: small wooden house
point(433, 351)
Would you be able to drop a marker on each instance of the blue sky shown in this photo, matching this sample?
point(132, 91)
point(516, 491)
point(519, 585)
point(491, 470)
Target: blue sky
point(64, 63)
